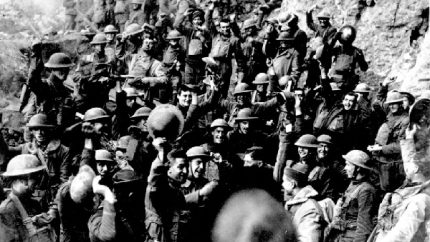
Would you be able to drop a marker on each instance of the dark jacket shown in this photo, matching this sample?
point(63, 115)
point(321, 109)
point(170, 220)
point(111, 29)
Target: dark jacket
point(286, 63)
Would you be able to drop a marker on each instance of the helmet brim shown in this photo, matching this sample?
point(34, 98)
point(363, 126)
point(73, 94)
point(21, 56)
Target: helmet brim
point(23, 172)
point(246, 119)
point(58, 66)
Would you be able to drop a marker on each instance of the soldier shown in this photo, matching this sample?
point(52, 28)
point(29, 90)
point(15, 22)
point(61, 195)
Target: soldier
point(290, 25)
point(173, 61)
point(71, 14)
point(225, 47)
point(407, 206)
point(54, 98)
point(252, 48)
point(387, 144)
point(137, 14)
point(110, 32)
point(197, 44)
point(323, 29)
point(352, 217)
point(245, 135)
point(21, 217)
point(49, 150)
point(149, 76)
point(285, 68)
point(121, 12)
point(96, 71)
point(75, 206)
point(306, 212)
point(261, 82)
point(130, 43)
point(345, 57)
point(199, 192)
point(100, 15)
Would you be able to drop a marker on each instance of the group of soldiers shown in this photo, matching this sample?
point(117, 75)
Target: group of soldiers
point(181, 122)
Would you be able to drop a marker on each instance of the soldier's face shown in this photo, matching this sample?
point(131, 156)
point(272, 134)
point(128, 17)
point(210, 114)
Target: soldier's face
point(323, 22)
point(110, 37)
point(303, 152)
point(105, 168)
point(136, 6)
point(142, 125)
point(148, 44)
point(197, 22)
point(394, 107)
point(98, 48)
point(242, 99)
point(349, 169)
point(349, 102)
point(260, 88)
point(197, 168)
point(248, 161)
point(184, 98)
point(322, 150)
point(41, 135)
point(244, 127)
point(100, 128)
point(179, 170)
point(219, 135)
point(406, 104)
point(24, 186)
point(61, 73)
point(224, 28)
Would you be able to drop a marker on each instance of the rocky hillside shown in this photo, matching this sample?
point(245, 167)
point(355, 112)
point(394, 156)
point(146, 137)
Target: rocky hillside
point(391, 33)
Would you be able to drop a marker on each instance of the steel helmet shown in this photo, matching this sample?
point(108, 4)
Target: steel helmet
point(142, 112)
point(39, 120)
point(324, 138)
point(59, 60)
point(174, 34)
point(104, 155)
point(323, 15)
point(219, 123)
point(110, 29)
point(358, 158)
point(261, 78)
point(348, 34)
point(394, 97)
point(165, 120)
point(198, 152)
point(133, 29)
point(242, 88)
point(99, 39)
point(23, 165)
point(249, 23)
point(137, 1)
point(362, 88)
point(245, 114)
point(307, 140)
point(94, 114)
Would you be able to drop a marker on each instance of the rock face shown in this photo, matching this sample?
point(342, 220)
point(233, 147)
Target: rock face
point(391, 33)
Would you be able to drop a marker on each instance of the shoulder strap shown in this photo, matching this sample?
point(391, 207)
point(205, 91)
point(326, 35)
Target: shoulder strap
point(18, 204)
point(353, 194)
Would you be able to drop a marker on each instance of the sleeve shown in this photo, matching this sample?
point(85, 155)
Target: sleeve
point(193, 197)
point(366, 199)
point(178, 24)
point(101, 225)
point(158, 175)
point(309, 227)
point(310, 22)
point(409, 222)
point(260, 109)
point(120, 123)
point(66, 165)
point(408, 151)
point(361, 60)
point(238, 55)
point(295, 69)
point(35, 82)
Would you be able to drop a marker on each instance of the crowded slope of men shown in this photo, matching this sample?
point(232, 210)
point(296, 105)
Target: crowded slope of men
point(194, 122)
